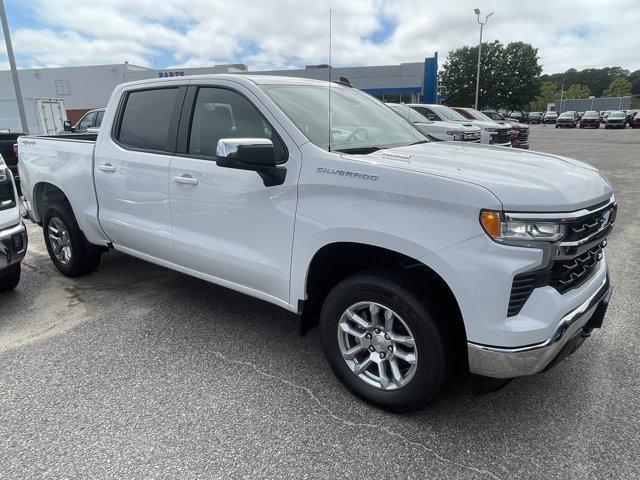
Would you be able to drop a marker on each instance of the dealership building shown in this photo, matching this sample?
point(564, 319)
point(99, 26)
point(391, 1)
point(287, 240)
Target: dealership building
point(55, 94)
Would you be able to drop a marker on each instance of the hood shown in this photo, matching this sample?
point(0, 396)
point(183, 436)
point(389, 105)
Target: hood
point(458, 126)
point(522, 180)
point(483, 124)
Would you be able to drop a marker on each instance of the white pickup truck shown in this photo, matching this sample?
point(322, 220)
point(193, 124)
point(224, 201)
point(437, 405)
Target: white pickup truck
point(415, 257)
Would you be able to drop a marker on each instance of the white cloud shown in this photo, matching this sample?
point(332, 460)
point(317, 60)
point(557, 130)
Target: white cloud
point(285, 33)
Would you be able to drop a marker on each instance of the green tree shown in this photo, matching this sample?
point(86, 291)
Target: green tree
point(522, 79)
point(618, 88)
point(548, 93)
point(634, 78)
point(596, 79)
point(577, 91)
point(459, 75)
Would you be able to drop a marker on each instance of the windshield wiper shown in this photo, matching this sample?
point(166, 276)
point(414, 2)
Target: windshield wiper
point(359, 150)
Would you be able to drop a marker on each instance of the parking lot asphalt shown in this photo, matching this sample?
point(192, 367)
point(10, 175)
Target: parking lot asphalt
point(139, 372)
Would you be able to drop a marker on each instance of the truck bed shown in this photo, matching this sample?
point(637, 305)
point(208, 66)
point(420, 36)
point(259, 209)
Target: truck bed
point(67, 162)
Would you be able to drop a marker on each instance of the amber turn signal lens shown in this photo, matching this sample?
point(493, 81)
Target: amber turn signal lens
point(491, 223)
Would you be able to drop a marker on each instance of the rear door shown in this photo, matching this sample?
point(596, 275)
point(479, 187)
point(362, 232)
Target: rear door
point(132, 172)
point(227, 225)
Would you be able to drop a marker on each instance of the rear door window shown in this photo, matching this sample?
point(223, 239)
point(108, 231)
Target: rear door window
point(146, 119)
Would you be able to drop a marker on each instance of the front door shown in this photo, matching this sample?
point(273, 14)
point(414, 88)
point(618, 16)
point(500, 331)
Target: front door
point(227, 226)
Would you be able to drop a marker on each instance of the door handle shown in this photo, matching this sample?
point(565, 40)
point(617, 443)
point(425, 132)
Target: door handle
point(107, 167)
point(186, 180)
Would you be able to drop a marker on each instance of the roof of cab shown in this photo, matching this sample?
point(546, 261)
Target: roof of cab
point(240, 78)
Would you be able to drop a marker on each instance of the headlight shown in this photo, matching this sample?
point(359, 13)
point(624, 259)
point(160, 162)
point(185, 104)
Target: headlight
point(491, 129)
point(456, 135)
point(500, 228)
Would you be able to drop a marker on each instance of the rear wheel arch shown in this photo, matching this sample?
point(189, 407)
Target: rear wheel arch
point(44, 194)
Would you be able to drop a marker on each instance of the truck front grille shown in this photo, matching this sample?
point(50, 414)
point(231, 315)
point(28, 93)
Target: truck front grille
point(575, 260)
point(568, 274)
point(7, 197)
point(523, 135)
point(502, 136)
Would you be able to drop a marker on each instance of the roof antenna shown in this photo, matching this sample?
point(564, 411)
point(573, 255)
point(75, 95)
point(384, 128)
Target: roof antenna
point(330, 135)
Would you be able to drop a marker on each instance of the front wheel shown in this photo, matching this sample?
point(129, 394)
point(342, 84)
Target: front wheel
point(382, 339)
point(66, 244)
point(10, 277)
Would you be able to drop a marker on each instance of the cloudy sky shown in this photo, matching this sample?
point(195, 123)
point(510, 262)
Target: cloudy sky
point(292, 33)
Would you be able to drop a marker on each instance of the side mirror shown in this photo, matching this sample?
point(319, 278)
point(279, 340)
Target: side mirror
point(432, 117)
point(67, 126)
point(256, 154)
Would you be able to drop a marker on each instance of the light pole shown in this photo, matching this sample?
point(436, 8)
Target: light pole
point(14, 70)
point(561, 98)
point(482, 24)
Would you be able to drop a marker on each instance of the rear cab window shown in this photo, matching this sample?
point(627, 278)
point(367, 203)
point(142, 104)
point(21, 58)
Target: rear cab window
point(146, 118)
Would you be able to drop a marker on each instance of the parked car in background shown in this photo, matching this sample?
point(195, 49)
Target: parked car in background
point(417, 258)
point(13, 234)
point(635, 123)
point(9, 151)
point(498, 117)
point(519, 132)
point(492, 133)
point(616, 120)
point(630, 115)
point(567, 119)
point(443, 130)
point(535, 117)
point(606, 114)
point(580, 114)
point(89, 121)
point(550, 117)
point(590, 119)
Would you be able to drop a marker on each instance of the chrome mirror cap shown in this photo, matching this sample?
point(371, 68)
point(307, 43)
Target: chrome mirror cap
point(228, 147)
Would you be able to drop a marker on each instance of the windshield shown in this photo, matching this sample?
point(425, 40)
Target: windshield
point(552, 114)
point(447, 113)
point(617, 115)
point(590, 115)
point(479, 115)
point(358, 121)
point(409, 113)
point(494, 116)
point(567, 115)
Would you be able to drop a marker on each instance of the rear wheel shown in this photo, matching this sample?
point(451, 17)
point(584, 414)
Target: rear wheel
point(382, 339)
point(66, 244)
point(10, 277)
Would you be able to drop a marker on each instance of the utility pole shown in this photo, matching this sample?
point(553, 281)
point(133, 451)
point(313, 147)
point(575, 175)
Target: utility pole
point(482, 24)
point(561, 97)
point(14, 71)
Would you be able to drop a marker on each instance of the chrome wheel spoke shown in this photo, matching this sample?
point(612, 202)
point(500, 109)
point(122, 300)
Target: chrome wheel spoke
point(403, 339)
point(353, 351)
point(388, 321)
point(346, 328)
point(395, 371)
point(362, 366)
point(358, 319)
point(382, 374)
point(410, 358)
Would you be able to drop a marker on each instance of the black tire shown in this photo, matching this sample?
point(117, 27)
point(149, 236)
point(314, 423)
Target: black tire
point(397, 294)
point(83, 260)
point(10, 277)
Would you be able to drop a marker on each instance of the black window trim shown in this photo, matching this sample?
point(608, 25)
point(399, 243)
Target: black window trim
point(172, 133)
point(186, 119)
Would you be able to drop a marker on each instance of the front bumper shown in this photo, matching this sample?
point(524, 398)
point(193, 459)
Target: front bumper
point(13, 245)
point(568, 335)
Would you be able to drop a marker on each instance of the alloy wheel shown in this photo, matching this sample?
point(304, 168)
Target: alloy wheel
point(377, 345)
point(60, 241)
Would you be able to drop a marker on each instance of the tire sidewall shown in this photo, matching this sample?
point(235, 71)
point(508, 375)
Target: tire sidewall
point(10, 277)
point(429, 374)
